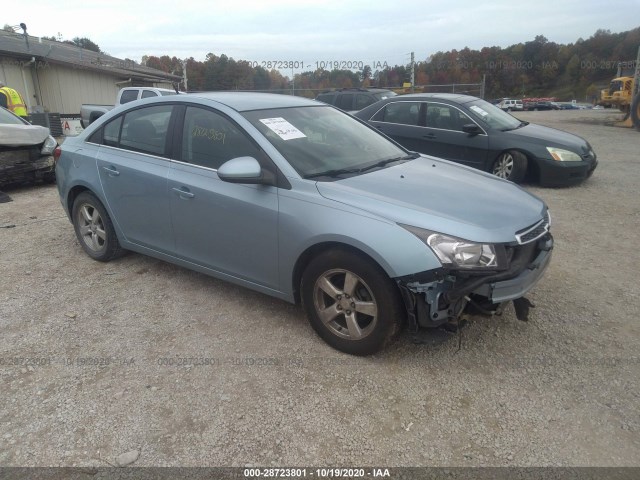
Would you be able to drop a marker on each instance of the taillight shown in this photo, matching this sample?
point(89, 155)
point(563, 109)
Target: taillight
point(56, 154)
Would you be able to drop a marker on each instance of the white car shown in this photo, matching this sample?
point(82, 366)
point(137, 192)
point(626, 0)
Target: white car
point(508, 105)
point(26, 151)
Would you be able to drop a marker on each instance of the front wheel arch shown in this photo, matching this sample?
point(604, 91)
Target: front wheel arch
point(318, 249)
point(521, 164)
point(351, 302)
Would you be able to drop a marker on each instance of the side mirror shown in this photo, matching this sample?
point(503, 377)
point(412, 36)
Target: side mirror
point(471, 129)
point(241, 170)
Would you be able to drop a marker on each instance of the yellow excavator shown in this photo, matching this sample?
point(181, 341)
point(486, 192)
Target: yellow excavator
point(624, 93)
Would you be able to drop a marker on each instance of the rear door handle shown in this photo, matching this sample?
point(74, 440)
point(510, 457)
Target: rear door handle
point(429, 135)
point(184, 192)
point(111, 171)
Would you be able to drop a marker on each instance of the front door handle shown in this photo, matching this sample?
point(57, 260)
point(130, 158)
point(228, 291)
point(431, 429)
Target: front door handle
point(184, 192)
point(111, 171)
point(429, 135)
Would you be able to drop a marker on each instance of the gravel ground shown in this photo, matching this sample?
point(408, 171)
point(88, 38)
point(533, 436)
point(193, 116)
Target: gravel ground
point(141, 361)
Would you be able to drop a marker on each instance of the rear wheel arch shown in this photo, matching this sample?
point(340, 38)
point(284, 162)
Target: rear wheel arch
point(73, 194)
point(94, 228)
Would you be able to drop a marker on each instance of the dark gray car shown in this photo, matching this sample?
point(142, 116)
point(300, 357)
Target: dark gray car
point(354, 99)
point(298, 200)
point(476, 133)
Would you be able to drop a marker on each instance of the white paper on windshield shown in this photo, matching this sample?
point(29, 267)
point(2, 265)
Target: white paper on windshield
point(282, 128)
point(478, 110)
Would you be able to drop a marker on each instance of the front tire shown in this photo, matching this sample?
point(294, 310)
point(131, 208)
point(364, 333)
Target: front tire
point(510, 165)
point(351, 302)
point(94, 228)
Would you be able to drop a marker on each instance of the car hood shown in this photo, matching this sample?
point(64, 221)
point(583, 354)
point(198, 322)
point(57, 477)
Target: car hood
point(22, 135)
point(441, 196)
point(551, 137)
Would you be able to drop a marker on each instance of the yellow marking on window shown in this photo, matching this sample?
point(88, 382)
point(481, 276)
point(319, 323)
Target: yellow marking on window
point(210, 133)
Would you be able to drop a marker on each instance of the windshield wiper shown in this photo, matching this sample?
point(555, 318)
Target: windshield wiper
point(508, 129)
point(343, 171)
point(382, 163)
point(333, 173)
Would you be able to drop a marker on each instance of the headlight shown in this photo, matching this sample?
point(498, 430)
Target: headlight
point(49, 146)
point(563, 155)
point(457, 253)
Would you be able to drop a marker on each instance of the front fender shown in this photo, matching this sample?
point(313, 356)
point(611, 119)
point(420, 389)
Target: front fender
point(309, 220)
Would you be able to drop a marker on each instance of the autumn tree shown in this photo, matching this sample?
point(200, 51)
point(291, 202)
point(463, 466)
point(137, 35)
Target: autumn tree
point(87, 44)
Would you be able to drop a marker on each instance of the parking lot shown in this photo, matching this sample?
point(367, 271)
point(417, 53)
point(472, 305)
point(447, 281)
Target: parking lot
point(175, 368)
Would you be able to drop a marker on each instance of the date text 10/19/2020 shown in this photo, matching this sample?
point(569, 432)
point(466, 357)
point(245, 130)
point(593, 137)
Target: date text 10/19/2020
point(274, 472)
point(319, 65)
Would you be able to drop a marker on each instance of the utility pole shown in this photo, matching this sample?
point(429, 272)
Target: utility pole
point(184, 74)
point(23, 26)
point(413, 72)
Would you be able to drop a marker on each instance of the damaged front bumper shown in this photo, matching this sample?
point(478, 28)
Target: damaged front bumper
point(18, 165)
point(440, 296)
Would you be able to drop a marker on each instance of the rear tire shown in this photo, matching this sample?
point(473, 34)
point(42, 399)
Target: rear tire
point(351, 302)
point(510, 165)
point(94, 228)
point(635, 112)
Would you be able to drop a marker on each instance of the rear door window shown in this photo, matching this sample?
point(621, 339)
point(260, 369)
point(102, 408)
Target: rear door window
point(363, 101)
point(345, 102)
point(145, 129)
point(329, 98)
point(404, 113)
point(128, 96)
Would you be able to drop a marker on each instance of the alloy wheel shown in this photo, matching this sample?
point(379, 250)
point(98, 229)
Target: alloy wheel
point(503, 166)
point(92, 229)
point(345, 304)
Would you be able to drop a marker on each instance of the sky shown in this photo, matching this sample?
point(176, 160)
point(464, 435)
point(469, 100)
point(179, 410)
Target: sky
point(307, 33)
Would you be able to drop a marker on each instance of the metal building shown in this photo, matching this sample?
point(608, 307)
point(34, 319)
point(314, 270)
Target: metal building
point(59, 77)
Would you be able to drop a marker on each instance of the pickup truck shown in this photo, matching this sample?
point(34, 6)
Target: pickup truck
point(89, 113)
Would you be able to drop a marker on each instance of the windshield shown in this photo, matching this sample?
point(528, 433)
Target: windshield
point(491, 116)
point(8, 117)
point(317, 140)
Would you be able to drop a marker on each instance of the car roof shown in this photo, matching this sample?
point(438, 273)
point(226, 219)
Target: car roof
point(453, 97)
point(245, 101)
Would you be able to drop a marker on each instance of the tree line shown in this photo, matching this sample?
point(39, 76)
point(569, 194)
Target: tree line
point(531, 69)
point(537, 68)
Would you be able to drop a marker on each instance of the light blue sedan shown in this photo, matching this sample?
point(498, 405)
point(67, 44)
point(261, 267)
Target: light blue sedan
point(298, 200)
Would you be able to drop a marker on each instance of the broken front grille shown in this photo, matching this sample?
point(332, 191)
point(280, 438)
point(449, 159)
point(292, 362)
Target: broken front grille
point(535, 231)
